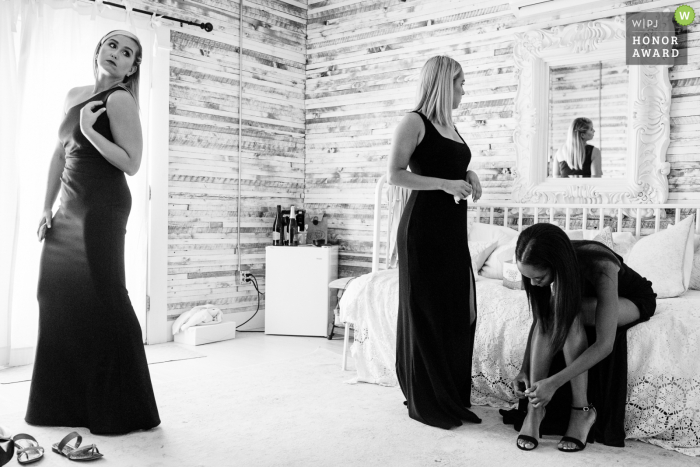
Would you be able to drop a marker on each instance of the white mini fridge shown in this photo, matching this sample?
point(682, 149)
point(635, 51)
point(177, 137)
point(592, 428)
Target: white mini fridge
point(298, 301)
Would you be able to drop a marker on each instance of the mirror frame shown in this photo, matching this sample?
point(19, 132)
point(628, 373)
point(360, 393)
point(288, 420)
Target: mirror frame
point(648, 117)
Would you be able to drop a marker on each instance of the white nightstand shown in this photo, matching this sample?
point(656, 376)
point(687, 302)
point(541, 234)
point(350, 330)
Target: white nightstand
point(298, 301)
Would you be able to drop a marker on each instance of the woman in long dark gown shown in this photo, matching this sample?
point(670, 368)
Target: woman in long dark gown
point(90, 368)
point(571, 285)
point(437, 302)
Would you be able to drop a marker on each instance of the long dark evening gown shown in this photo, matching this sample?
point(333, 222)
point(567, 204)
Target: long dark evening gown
point(435, 340)
point(90, 368)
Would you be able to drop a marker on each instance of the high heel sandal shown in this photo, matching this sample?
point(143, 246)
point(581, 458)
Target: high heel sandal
point(529, 439)
point(590, 438)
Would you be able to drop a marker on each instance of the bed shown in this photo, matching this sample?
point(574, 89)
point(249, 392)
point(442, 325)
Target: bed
point(663, 393)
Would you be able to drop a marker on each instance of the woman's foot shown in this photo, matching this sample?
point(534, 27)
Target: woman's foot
point(530, 431)
point(580, 425)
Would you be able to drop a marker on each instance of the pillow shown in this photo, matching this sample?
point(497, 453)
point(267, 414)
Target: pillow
point(666, 258)
point(493, 267)
point(623, 243)
point(574, 234)
point(605, 237)
point(479, 251)
point(486, 232)
point(695, 273)
point(507, 252)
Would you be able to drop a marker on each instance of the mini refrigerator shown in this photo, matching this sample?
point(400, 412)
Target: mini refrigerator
point(298, 301)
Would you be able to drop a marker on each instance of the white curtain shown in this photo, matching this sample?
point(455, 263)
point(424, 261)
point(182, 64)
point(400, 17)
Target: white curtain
point(9, 108)
point(58, 39)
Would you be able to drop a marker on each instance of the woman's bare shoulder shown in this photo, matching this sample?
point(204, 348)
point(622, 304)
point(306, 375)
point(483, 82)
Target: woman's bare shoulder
point(77, 95)
point(412, 121)
point(411, 127)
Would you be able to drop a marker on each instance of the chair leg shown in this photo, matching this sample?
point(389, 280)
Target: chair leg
point(346, 338)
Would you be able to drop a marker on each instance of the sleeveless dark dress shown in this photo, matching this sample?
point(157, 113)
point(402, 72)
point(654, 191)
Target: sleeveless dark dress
point(607, 380)
point(90, 368)
point(585, 172)
point(435, 340)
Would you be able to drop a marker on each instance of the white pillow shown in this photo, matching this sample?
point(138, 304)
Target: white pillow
point(605, 237)
point(479, 251)
point(574, 234)
point(666, 258)
point(623, 243)
point(695, 273)
point(493, 268)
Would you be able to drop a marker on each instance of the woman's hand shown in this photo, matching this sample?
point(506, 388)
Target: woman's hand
point(520, 381)
point(44, 223)
point(541, 392)
point(88, 117)
point(473, 180)
point(457, 188)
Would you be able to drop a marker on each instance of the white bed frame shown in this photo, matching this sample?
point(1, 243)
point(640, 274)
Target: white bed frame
point(621, 210)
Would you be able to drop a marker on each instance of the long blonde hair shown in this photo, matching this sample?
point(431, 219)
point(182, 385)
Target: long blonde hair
point(436, 89)
point(574, 148)
point(130, 83)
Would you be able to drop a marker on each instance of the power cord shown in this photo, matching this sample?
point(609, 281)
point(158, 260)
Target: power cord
point(257, 289)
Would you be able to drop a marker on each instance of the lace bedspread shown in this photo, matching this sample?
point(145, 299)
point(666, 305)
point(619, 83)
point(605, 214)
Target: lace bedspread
point(663, 393)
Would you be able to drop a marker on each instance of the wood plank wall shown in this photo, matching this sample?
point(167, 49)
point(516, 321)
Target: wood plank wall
point(363, 59)
point(203, 157)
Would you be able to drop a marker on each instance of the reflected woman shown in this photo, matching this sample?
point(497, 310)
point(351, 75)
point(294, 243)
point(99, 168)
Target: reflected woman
point(90, 368)
point(576, 158)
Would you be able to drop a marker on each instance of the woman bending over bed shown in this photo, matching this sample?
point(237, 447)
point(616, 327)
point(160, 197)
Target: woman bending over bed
point(437, 300)
point(571, 284)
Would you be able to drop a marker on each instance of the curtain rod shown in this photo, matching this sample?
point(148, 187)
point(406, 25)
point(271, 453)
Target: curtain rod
point(208, 27)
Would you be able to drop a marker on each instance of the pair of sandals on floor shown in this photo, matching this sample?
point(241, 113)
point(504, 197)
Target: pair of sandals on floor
point(29, 451)
point(523, 440)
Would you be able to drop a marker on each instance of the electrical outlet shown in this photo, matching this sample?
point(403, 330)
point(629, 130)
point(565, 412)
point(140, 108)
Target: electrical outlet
point(244, 277)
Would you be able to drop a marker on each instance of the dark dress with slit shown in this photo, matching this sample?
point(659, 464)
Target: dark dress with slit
point(607, 380)
point(90, 368)
point(435, 339)
point(584, 171)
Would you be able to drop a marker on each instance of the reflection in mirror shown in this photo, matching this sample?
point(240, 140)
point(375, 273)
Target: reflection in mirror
point(588, 120)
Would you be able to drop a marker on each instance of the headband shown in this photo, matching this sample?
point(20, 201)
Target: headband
point(121, 32)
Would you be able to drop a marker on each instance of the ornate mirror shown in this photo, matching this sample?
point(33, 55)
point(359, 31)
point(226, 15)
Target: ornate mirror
point(578, 70)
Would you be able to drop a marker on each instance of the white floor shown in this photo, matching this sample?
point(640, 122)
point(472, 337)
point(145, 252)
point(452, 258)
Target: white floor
point(263, 400)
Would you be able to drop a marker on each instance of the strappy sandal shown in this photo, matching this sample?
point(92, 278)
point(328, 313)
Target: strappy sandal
point(528, 439)
point(580, 446)
point(27, 449)
point(75, 452)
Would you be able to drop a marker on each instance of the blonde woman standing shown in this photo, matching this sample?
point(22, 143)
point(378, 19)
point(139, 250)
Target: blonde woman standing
point(577, 158)
point(437, 302)
point(90, 368)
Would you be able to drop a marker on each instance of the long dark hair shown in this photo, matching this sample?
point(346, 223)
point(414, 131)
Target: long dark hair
point(547, 246)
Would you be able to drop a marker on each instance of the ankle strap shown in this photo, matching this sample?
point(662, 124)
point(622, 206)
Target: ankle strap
point(585, 408)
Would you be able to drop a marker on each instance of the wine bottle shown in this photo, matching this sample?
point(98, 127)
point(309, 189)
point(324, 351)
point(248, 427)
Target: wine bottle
point(278, 228)
point(293, 240)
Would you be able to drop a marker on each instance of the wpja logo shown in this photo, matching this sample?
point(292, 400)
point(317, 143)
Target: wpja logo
point(684, 15)
point(653, 38)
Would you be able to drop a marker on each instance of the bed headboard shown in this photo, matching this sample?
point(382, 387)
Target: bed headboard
point(547, 213)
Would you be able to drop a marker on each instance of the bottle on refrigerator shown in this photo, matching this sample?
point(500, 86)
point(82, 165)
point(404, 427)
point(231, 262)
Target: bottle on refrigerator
point(293, 240)
point(278, 228)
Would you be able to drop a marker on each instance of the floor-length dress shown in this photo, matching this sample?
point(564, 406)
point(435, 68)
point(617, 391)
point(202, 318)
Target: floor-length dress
point(90, 368)
point(435, 339)
point(607, 379)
